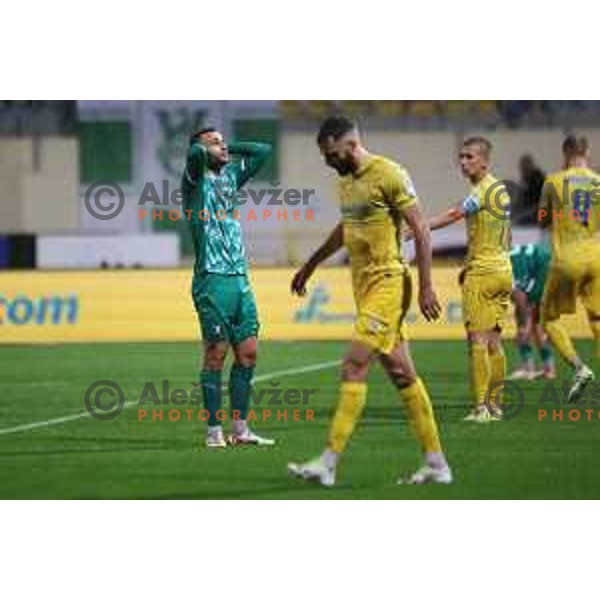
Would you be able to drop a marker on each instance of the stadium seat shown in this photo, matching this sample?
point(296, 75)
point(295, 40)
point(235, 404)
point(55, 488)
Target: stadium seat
point(457, 108)
point(319, 109)
point(292, 110)
point(389, 108)
point(355, 108)
point(487, 108)
point(424, 108)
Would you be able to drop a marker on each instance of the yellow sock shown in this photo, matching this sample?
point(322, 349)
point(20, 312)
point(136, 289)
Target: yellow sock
point(596, 331)
point(480, 371)
point(560, 340)
point(418, 405)
point(497, 369)
point(351, 403)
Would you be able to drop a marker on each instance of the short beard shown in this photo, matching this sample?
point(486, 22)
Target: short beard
point(343, 170)
point(214, 163)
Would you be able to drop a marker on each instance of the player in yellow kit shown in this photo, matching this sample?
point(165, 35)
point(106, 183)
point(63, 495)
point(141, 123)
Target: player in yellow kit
point(487, 277)
point(570, 204)
point(376, 195)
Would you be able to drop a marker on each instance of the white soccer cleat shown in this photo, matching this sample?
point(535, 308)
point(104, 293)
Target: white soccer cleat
point(583, 377)
point(479, 414)
point(495, 415)
point(427, 474)
point(314, 470)
point(523, 374)
point(215, 439)
point(249, 438)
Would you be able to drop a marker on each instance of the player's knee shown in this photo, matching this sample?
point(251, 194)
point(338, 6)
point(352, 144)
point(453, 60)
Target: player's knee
point(495, 343)
point(539, 334)
point(247, 358)
point(476, 338)
point(522, 335)
point(401, 371)
point(354, 368)
point(402, 378)
point(495, 347)
point(246, 353)
point(214, 358)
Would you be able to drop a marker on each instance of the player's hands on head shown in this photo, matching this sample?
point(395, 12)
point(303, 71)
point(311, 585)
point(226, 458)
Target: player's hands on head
point(428, 303)
point(300, 280)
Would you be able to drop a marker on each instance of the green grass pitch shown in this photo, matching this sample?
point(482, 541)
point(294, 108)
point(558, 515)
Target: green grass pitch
point(128, 458)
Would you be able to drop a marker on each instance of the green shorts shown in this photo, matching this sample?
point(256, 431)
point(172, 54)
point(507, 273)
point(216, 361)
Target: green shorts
point(530, 268)
point(226, 307)
point(536, 286)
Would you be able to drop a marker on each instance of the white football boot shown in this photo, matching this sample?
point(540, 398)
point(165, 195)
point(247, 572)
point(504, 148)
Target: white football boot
point(428, 474)
point(523, 374)
point(215, 439)
point(583, 377)
point(315, 470)
point(248, 438)
point(479, 414)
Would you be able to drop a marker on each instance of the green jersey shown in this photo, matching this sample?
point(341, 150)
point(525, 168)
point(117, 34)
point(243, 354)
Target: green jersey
point(209, 200)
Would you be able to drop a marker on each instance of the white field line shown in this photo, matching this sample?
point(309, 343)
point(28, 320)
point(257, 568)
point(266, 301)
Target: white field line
point(82, 415)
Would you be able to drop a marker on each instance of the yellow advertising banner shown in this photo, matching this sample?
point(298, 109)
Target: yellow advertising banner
point(156, 305)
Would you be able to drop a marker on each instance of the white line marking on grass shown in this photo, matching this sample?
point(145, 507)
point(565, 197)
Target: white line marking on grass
point(306, 369)
point(84, 414)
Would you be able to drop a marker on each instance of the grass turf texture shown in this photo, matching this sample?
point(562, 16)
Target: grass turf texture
point(128, 458)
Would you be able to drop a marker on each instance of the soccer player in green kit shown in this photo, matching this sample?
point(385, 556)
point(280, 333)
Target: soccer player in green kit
point(530, 265)
point(221, 289)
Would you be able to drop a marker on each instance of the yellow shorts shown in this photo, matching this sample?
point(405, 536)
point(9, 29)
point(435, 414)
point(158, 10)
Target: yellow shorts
point(485, 300)
point(578, 276)
point(381, 305)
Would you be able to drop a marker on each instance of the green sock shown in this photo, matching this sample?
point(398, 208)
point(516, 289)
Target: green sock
point(546, 354)
point(212, 394)
point(240, 384)
point(526, 353)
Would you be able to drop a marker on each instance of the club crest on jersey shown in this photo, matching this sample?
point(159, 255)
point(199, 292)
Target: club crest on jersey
point(223, 187)
point(375, 326)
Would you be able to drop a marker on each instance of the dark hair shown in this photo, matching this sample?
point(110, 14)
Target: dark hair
point(483, 143)
point(194, 137)
point(575, 145)
point(335, 127)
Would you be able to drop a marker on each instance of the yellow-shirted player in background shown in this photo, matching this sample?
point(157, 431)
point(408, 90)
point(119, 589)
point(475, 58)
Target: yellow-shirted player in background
point(376, 195)
point(487, 277)
point(570, 203)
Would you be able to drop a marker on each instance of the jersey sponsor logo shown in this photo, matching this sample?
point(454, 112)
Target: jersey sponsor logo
point(44, 310)
point(357, 211)
point(577, 180)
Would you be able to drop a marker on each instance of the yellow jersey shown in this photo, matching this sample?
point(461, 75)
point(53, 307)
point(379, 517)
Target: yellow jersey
point(372, 201)
point(573, 196)
point(487, 213)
